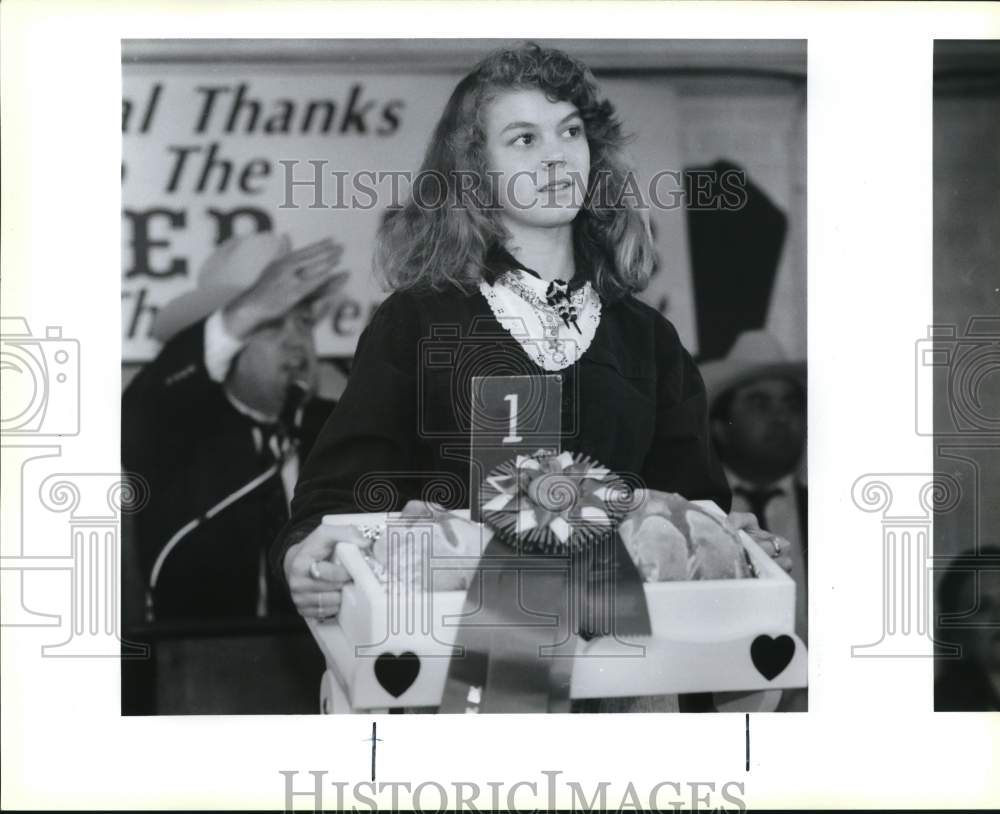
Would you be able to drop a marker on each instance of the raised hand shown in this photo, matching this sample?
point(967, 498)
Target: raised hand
point(299, 276)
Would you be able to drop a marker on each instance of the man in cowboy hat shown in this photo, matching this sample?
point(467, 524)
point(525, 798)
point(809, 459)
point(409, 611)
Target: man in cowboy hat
point(217, 423)
point(757, 411)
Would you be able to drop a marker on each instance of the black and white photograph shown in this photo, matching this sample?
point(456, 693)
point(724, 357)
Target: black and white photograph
point(464, 375)
point(457, 405)
point(962, 356)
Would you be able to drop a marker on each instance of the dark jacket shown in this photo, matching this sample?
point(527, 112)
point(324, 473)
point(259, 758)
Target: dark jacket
point(965, 687)
point(193, 448)
point(635, 402)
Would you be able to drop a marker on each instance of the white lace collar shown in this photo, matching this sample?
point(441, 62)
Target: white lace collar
point(518, 301)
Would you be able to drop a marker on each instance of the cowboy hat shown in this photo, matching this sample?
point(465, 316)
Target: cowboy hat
point(755, 355)
point(230, 270)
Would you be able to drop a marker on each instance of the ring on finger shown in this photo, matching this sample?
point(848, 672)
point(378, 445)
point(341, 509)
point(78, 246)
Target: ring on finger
point(776, 542)
point(314, 571)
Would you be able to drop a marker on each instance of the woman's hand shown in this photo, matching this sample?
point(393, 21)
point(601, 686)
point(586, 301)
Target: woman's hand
point(777, 547)
point(314, 581)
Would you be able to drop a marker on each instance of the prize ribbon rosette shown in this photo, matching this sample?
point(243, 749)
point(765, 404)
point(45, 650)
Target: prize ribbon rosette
point(553, 503)
point(556, 567)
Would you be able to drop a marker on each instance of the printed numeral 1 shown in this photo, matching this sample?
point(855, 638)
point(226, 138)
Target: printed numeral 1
point(512, 436)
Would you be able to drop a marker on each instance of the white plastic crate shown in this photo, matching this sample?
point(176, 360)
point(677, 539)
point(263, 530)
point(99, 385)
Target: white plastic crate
point(391, 648)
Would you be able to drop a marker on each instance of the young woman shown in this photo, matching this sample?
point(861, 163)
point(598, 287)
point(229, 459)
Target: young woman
point(516, 254)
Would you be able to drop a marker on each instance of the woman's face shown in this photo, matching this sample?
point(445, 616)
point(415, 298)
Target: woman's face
point(538, 158)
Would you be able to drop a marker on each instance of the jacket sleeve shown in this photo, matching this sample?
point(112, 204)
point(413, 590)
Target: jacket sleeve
point(175, 382)
point(682, 458)
point(369, 442)
point(167, 397)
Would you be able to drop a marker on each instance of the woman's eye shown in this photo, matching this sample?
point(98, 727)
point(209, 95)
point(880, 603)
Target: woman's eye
point(524, 139)
point(574, 130)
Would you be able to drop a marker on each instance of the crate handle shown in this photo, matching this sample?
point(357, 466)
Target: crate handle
point(350, 556)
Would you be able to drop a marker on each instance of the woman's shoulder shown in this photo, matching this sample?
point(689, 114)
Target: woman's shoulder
point(632, 311)
point(411, 305)
point(408, 316)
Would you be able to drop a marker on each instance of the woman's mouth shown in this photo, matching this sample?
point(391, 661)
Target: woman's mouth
point(556, 186)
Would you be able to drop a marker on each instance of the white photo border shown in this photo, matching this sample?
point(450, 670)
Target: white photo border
point(871, 737)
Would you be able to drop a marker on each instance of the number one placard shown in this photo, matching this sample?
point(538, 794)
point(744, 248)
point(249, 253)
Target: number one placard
point(511, 416)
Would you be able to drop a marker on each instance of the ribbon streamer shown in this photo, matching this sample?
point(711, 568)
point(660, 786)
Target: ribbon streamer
point(541, 584)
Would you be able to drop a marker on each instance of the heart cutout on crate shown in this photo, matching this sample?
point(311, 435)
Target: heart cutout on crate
point(772, 655)
point(395, 673)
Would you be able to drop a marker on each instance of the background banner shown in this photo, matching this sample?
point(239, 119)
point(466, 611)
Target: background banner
point(320, 141)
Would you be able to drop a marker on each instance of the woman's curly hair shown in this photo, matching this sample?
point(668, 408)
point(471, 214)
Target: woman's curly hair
point(447, 244)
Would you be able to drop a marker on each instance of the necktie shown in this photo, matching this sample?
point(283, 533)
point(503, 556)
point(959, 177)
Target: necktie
point(758, 500)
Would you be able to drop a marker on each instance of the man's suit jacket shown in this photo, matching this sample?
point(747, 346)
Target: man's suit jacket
point(183, 436)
